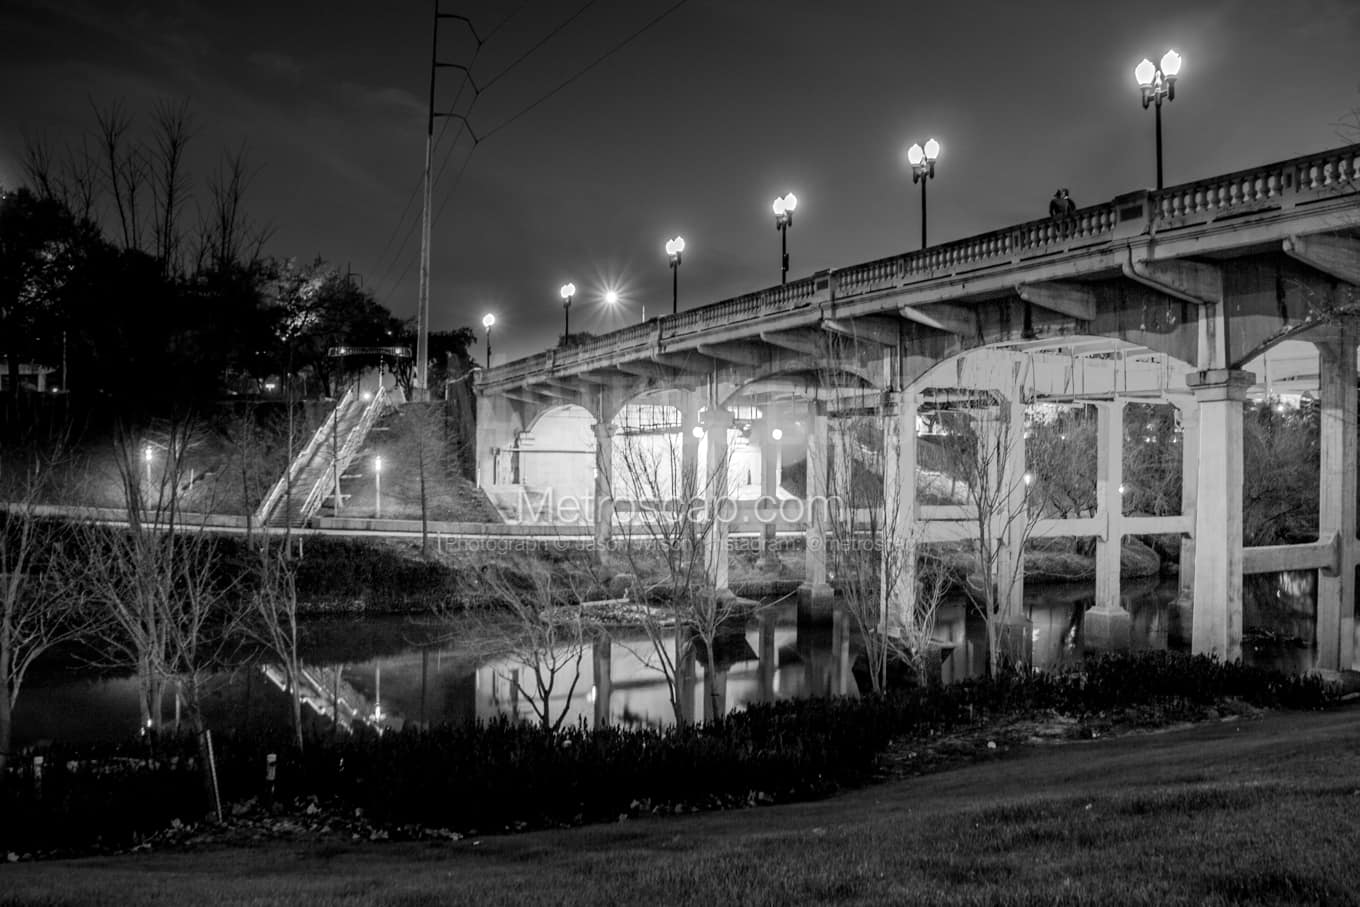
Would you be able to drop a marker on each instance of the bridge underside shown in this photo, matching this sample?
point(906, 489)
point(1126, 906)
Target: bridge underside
point(1156, 298)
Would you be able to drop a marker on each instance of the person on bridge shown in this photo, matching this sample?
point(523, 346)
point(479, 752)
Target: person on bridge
point(1069, 207)
point(1056, 206)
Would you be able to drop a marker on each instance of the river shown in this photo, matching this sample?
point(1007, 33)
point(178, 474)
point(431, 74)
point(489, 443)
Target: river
point(390, 672)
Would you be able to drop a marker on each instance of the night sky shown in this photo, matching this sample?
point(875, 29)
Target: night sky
point(691, 128)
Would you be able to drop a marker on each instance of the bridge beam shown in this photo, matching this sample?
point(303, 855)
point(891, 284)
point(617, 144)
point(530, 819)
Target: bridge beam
point(652, 370)
point(1217, 621)
point(944, 316)
point(883, 331)
point(736, 352)
point(1066, 297)
point(1190, 281)
point(806, 341)
point(1335, 256)
point(690, 362)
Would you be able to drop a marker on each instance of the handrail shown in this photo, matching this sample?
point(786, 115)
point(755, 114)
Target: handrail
point(353, 439)
point(1282, 183)
point(296, 465)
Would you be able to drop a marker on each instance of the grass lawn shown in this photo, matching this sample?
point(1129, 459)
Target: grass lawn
point(1247, 811)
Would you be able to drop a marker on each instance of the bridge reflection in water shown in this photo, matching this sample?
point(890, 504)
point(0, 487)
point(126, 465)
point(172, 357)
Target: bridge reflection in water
point(772, 658)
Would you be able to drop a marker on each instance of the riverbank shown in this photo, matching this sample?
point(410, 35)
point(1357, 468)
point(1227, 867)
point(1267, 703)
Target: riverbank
point(345, 576)
point(1255, 809)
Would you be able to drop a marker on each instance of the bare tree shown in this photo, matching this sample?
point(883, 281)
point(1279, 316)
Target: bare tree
point(173, 128)
point(874, 557)
point(226, 234)
point(274, 620)
point(986, 447)
point(124, 169)
point(539, 624)
point(36, 613)
point(666, 536)
point(422, 437)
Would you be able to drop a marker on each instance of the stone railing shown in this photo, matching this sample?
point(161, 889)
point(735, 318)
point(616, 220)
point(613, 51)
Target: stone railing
point(1284, 184)
point(1279, 185)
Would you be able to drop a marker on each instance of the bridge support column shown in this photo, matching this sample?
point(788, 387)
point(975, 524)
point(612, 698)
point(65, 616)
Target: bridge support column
point(815, 594)
point(497, 426)
point(767, 657)
point(603, 664)
point(841, 488)
point(1010, 522)
point(770, 462)
point(603, 509)
point(1337, 499)
point(1185, 595)
point(1106, 624)
point(898, 556)
point(718, 504)
point(1217, 620)
point(690, 488)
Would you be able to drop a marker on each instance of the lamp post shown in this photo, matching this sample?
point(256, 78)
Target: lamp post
point(487, 321)
point(783, 219)
point(1158, 82)
point(568, 290)
point(377, 487)
point(922, 160)
point(147, 454)
point(674, 248)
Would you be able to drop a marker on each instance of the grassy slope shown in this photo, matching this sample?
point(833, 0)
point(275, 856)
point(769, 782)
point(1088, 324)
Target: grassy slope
point(1249, 811)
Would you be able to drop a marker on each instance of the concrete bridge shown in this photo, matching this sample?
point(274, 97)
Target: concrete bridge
point(1191, 297)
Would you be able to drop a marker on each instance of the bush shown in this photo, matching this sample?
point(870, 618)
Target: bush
point(497, 775)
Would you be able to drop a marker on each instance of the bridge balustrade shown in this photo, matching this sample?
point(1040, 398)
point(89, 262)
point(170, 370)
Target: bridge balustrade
point(1273, 186)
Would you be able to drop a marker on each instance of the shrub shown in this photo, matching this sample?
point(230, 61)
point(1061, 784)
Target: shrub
point(495, 775)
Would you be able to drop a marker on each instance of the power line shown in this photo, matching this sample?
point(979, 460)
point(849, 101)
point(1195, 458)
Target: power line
point(477, 140)
point(596, 62)
point(514, 12)
point(544, 40)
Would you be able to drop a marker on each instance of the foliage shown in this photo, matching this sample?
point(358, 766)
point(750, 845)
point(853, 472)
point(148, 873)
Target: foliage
point(1281, 454)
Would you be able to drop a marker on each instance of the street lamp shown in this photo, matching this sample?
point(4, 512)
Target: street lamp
point(377, 483)
point(922, 160)
point(487, 321)
point(674, 247)
point(147, 454)
point(1158, 83)
point(783, 219)
point(568, 290)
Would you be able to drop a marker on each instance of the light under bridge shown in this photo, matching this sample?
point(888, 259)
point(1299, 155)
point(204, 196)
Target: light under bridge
point(1194, 296)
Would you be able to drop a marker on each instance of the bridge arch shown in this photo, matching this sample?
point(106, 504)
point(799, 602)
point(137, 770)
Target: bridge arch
point(557, 451)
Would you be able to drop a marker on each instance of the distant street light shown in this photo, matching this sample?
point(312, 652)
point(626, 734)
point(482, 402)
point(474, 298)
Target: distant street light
point(377, 485)
point(487, 321)
point(922, 162)
point(1158, 83)
point(612, 299)
point(568, 290)
point(674, 247)
point(147, 455)
point(783, 219)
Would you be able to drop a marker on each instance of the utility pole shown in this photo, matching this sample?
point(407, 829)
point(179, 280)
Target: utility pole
point(420, 387)
point(423, 305)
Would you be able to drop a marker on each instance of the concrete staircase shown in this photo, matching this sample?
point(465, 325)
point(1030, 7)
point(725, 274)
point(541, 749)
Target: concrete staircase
point(298, 494)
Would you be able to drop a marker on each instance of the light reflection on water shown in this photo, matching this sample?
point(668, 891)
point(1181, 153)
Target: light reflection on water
point(384, 672)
